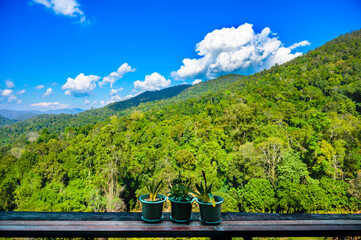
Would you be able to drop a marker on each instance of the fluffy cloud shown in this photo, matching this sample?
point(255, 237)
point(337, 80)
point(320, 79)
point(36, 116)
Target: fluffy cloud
point(14, 99)
point(196, 81)
point(48, 92)
point(115, 91)
point(87, 102)
point(155, 81)
point(300, 44)
point(9, 83)
point(114, 76)
point(238, 50)
point(39, 87)
point(53, 105)
point(9, 95)
point(64, 7)
point(117, 98)
point(6, 92)
point(80, 86)
point(20, 92)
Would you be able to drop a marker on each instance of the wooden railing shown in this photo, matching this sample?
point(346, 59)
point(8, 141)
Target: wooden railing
point(246, 225)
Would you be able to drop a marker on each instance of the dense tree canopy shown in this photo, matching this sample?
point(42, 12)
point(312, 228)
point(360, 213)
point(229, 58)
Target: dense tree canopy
point(287, 139)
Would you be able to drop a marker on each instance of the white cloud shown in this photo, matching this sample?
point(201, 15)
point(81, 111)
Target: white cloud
point(155, 81)
point(102, 103)
point(80, 86)
point(14, 99)
point(21, 92)
point(48, 92)
point(196, 81)
point(64, 7)
point(9, 83)
point(114, 76)
point(115, 91)
point(9, 95)
point(117, 98)
point(53, 105)
point(86, 102)
point(39, 87)
point(238, 50)
point(300, 44)
point(6, 92)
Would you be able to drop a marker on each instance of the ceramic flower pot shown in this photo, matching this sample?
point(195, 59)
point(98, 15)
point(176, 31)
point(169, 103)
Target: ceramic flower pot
point(181, 210)
point(152, 211)
point(210, 214)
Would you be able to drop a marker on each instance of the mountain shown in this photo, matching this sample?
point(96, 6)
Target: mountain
point(148, 96)
point(6, 121)
point(64, 111)
point(55, 124)
point(284, 140)
point(18, 115)
point(23, 115)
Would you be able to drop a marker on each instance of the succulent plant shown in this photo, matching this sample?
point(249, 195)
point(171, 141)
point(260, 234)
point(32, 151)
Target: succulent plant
point(205, 192)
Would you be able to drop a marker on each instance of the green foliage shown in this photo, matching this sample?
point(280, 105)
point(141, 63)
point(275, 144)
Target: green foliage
point(6, 121)
point(257, 196)
point(153, 189)
point(204, 191)
point(292, 169)
point(180, 188)
point(301, 198)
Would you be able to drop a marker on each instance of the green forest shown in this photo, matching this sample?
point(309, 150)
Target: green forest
point(285, 140)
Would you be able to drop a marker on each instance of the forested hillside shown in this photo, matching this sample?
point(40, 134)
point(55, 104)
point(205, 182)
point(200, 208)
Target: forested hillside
point(57, 124)
point(6, 121)
point(284, 140)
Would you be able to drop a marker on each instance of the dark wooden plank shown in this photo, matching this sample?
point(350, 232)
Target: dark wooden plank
point(170, 229)
point(40, 224)
point(68, 216)
point(277, 216)
point(134, 216)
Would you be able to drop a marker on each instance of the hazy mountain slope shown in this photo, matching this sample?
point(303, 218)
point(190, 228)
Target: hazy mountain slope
point(55, 124)
point(148, 96)
point(64, 111)
point(18, 115)
point(6, 121)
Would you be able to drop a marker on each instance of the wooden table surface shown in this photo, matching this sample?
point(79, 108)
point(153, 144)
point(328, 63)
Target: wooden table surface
point(76, 224)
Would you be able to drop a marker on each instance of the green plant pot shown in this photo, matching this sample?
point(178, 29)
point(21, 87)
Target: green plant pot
point(152, 211)
point(181, 210)
point(210, 214)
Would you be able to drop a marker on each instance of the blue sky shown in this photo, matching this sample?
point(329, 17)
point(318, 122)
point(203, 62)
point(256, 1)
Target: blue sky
point(81, 54)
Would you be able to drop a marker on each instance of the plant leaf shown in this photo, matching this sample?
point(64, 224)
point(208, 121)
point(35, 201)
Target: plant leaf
point(212, 200)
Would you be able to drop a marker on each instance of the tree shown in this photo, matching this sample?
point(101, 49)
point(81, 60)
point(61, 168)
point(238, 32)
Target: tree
point(291, 168)
point(272, 149)
point(257, 196)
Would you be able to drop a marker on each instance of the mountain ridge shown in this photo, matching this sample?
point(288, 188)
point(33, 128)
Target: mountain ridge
point(24, 115)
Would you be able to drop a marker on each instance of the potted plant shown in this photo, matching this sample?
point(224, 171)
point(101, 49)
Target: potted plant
point(152, 203)
point(181, 200)
point(209, 205)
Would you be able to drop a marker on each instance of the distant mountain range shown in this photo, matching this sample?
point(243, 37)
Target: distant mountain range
point(149, 96)
point(23, 115)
